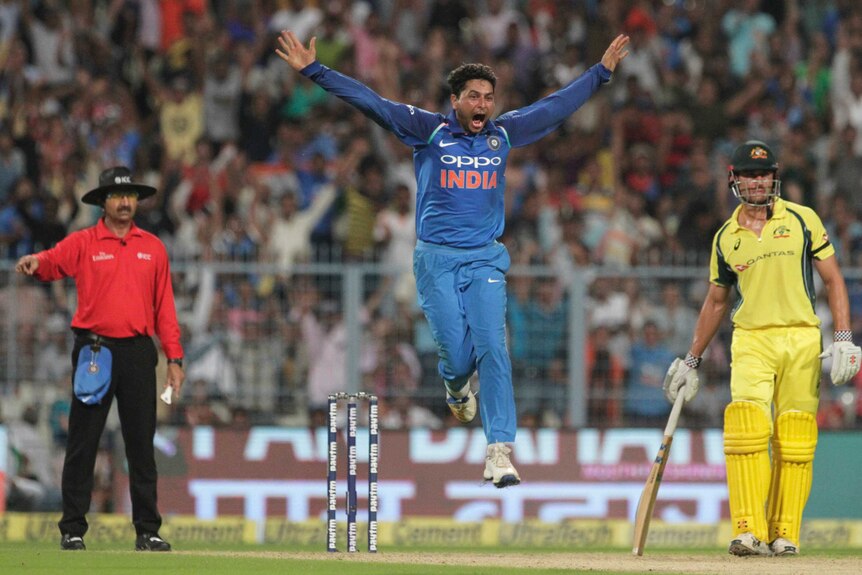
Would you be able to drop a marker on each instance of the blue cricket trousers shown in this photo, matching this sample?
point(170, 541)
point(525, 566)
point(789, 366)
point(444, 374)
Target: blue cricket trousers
point(463, 295)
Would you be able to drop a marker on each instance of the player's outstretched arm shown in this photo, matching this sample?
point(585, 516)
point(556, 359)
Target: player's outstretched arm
point(615, 52)
point(846, 356)
point(27, 265)
point(293, 52)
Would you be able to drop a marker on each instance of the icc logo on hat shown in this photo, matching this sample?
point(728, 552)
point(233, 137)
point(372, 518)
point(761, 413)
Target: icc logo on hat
point(116, 179)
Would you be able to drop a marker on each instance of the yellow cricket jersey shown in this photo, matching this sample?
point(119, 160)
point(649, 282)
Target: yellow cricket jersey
point(774, 273)
point(182, 124)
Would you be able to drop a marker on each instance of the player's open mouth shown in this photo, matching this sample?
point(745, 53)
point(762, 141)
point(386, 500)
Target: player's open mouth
point(478, 121)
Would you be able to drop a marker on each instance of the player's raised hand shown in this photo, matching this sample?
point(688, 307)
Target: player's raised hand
point(293, 52)
point(615, 52)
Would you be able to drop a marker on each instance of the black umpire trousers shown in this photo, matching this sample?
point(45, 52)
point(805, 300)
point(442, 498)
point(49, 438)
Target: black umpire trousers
point(133, 383)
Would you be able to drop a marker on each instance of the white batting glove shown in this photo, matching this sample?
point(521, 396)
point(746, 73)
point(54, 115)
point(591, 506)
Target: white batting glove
point(846, 358)
point(682, 372)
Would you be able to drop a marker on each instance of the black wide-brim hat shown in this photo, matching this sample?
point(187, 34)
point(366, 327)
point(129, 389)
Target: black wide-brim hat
point(116, 179)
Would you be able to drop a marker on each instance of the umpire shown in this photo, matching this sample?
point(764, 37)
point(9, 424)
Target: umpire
point(125, 297)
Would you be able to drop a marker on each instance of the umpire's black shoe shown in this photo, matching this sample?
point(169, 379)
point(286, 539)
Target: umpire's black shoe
point(151, 542)
point(72, 543)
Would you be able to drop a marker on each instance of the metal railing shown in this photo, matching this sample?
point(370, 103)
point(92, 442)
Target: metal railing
point(258, 337)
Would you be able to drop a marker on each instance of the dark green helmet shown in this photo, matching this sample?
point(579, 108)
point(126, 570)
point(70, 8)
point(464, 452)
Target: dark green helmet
point(753, 156)
point(750, 157)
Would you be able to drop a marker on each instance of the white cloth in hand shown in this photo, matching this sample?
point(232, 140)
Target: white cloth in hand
point(846, 359)
point(680, 376)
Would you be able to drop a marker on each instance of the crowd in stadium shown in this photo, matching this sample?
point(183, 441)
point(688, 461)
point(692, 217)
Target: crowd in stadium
point(255, 164)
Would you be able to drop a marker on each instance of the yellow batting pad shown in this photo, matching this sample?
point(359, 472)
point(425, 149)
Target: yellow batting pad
point(746, 452)
point(792, 468)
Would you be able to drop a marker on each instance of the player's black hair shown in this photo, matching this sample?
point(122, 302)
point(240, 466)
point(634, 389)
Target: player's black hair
point(459, 77)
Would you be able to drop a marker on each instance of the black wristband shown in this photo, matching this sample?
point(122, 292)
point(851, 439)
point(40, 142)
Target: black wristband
point(692, 360)
point(176, 360)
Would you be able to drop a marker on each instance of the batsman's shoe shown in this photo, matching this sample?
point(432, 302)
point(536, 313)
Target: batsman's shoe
point(498, 467)
point(72, 543)
point(781, 547)
point(151, 542)
point(463, 408)
point(746, 544)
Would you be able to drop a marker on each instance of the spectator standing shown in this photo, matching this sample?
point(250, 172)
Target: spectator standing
point(362, 204)
point(674, 318)
point(52, 38)
point(52, 364)
point(13, 163)
point(222, 93)
point(15, 236)
point(605, 375)
point(395, 233)
point(645, 405)
point(748, 31)
point(33, 485)
point(181, 117)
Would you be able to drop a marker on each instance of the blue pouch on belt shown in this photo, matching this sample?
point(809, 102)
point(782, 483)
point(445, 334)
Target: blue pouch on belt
point(93, 374)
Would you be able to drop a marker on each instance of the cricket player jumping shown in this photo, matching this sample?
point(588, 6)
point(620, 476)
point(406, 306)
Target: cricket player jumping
point(768, 250)
point(460, 164)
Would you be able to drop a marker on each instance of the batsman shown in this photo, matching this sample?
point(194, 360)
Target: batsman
point(768, 250)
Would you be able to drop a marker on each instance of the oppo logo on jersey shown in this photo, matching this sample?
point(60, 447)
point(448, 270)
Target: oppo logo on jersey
point(469, 179)
point(470, 161)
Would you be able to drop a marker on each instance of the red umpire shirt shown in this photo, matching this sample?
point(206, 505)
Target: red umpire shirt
point(124, 284)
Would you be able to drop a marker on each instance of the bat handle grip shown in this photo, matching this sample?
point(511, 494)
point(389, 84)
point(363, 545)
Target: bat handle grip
point(674, 413)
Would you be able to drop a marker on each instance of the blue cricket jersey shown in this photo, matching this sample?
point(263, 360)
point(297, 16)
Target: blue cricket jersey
point(459, 175)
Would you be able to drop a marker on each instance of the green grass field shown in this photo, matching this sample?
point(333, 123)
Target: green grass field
point(46, 558)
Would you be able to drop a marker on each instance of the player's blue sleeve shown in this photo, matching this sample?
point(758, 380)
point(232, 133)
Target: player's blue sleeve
point(410, 124)
point(530, 123)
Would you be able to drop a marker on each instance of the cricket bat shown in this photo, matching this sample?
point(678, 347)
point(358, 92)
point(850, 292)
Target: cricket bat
point(650, 492)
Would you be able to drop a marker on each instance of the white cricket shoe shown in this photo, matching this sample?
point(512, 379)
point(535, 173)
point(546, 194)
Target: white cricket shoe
point(746, 544)
point(463, 408)
point(782, 546)
point(498, 467)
